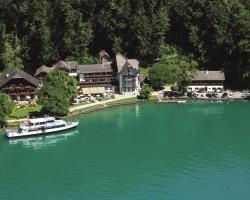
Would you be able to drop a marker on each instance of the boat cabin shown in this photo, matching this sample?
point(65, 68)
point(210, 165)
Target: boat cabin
point(40, 121)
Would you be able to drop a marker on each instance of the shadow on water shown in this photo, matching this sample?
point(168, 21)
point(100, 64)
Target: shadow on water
point(40, 142)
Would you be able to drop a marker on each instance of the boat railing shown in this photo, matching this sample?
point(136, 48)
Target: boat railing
point(7, 130)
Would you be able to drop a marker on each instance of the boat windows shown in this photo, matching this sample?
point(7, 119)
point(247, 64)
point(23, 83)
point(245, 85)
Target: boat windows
point(33, 129)
point(57, 126)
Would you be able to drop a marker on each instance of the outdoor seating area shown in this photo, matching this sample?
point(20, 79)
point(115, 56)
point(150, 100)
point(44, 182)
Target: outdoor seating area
point(90, 95)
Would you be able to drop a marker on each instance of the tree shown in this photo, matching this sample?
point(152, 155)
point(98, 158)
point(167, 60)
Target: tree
point(5, 107)
point(145, 92)
point(215, 32)
point(172, 68)
point(9, 50)
point(71, 35)
point(86, 59)
point(57, 91)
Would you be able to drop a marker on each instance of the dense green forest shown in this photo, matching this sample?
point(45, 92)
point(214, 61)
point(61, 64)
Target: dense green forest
point(216, 33)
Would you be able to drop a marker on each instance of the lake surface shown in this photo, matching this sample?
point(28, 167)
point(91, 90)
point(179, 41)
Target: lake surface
point(140, 152)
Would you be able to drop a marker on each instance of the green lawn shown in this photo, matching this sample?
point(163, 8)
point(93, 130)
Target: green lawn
point(18, 113)
point(128, 100)
point(152, 98)
point(133, 99)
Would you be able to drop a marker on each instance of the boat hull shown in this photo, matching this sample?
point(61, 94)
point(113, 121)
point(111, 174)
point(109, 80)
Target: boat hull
point(40, 133)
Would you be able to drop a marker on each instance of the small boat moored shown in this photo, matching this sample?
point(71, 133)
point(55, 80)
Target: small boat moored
point(40, 126)
point(181, 101)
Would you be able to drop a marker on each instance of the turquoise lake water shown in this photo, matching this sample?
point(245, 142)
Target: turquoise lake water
point(140, 152)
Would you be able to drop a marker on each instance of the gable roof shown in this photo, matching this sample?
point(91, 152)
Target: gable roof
point(93, 68)
point(134, 63)
point(71, 64)
point(103, 53)
point(122, 62)
point(43, 69)
point(209, 76)
point(61, 65)
point(17, 74)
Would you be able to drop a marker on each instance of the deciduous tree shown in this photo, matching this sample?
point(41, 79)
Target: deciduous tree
point(57, 91)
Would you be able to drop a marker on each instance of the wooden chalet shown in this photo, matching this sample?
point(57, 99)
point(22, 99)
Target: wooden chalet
point(207, 81)
point(19, 85)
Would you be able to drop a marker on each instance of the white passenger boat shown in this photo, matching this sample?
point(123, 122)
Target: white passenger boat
point(40, 126)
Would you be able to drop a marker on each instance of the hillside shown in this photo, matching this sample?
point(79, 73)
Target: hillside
point(215, 32)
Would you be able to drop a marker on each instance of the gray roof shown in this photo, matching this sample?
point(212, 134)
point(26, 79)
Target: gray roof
point(17, 74)
point(93, 68)
point(122, 62)
point(71, 64)
point(103, 53)
point(61, 65)
point(209, 76)
point(43, 69)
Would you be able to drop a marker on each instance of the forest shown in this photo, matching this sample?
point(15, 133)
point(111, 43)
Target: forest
point(215, 33)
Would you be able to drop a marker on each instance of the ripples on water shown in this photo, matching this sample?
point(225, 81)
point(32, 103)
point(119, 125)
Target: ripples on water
point(148, 151)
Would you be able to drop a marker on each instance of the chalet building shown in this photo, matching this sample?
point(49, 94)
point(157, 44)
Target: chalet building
point(207, 81)
point(120, 75)
point(68, 66)
point(19, 85)
point(41, 72)
point(100, 77)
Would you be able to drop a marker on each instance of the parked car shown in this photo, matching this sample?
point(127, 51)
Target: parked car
point(212, 95)
point(192, 95)
point(173, 94)
point(224, 95)
point(74, 101)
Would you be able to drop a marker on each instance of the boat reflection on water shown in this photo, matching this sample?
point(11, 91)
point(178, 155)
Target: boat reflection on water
point(45, 141)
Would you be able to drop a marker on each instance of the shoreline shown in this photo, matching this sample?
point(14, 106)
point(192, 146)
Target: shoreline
point(87, 110)
point(105, 106)
point(130, 101)
point(177, 100)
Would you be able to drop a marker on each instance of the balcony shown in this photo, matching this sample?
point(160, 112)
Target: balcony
point(99, 76)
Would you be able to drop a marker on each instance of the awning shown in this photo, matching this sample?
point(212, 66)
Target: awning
point(86, 91)
point(101, 90)
point(93, 90)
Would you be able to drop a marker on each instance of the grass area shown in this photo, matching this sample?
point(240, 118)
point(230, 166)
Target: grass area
point(128, 100)
point(133, 99)
point(18, 113)
point(152, 98)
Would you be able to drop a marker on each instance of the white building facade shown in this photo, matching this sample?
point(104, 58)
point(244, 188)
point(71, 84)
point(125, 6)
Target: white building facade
point(207, 81)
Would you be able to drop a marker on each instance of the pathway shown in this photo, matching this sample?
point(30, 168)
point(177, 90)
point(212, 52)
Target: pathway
point(117, 97)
